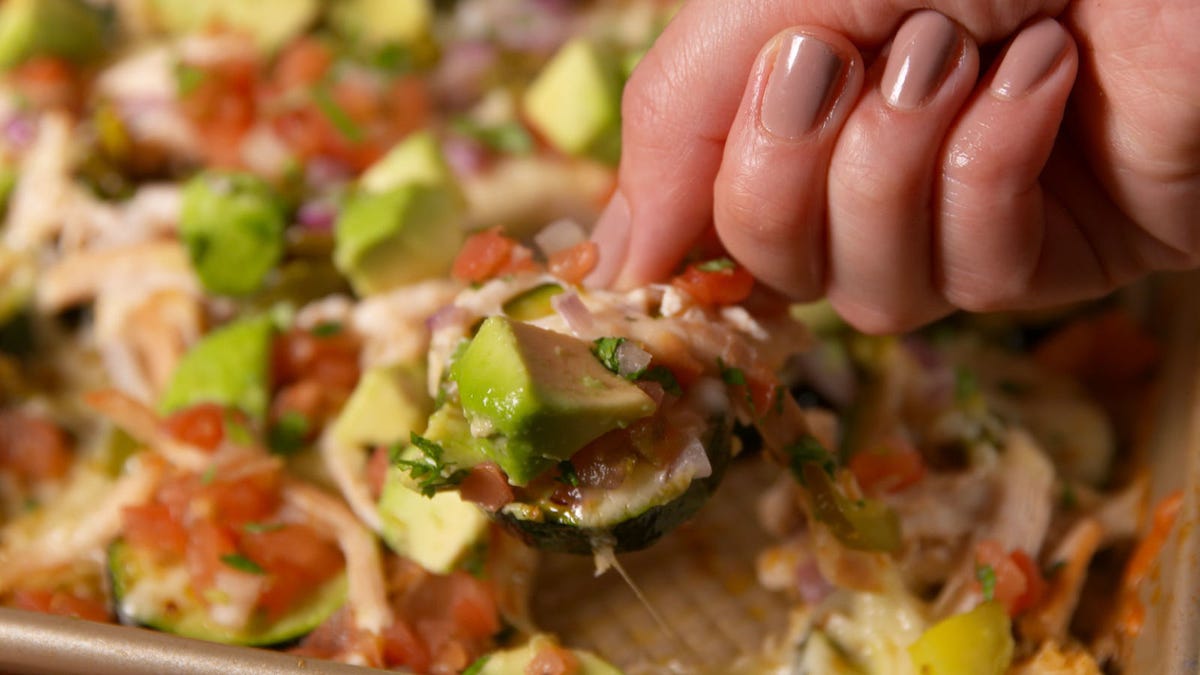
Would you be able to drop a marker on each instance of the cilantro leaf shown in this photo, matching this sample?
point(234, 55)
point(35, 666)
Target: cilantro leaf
point(663, 376)
point(241, 563)
point(567, 474)
point(987, 580)
point(327, 329)
point(732, 376)
point(477, 667)
point(337, 116)
point(605, 349)
point(260, 528)
point(288, 434)
point(188, 78)
point(509, 138)
point(430, 471)
point(966, 385)
point(209, 475)
point(808, 450)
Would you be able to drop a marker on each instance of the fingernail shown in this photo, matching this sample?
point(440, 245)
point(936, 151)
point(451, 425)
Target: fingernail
point(925, 50)
point(802, 86)
point(611, 235)
point(1030, 58)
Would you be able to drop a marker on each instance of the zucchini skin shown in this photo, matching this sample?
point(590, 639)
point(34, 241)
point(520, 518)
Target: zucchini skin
point(286, 631)
point(640, 531)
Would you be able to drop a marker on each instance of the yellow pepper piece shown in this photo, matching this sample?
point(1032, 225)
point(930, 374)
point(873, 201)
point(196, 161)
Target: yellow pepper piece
point(978, 642)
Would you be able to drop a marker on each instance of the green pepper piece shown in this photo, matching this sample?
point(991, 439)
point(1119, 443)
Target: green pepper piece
point(865, 524)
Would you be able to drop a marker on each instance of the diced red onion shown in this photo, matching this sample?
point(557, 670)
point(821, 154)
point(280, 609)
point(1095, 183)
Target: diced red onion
point(558, 236)
point(465, 156)
point(322, 172)
point(631, 359)
point(444, 317)
point(653, 389)
point(317, 216)
point(693, 461)
point(576, 315)
point(810, 583)
point(461, 74)
point(20, 131)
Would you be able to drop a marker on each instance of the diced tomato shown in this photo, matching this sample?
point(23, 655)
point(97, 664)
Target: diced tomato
point(152, 527)
point(575, 263)
point(604, 462)
point(296, 560)
point(473, 606)
point(762, 388)
point(726, 285)
point(889, 467)
point(33, 448)
point(454, 615)
point(553, 660)
point(1019, 585)
point(1109, 348)
point(1035, 583)
point(482, 256)
point(377, 469)
point(402, 647)
point(302, 64)
point(299, 354)
point(202, 425)
point(46, 82)
point(208, 543)
point(487, 486)
point(223, 106)
point(410, 105)
point(61, 603)
point(248, 499)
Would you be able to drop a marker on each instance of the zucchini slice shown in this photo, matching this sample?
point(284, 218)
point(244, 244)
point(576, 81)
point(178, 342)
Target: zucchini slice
point(149, 594)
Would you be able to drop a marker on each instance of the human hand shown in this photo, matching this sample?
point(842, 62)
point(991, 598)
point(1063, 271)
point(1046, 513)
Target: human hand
point(905, 184)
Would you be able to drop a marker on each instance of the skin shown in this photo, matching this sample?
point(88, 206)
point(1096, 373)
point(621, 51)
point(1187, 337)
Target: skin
point(977, 199)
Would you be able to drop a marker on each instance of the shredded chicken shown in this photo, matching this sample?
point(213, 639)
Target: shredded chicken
point(143, 425)
point(347, 468)
point(70, 539)
point(36, 210)
point(1053, 659)
point(393, 324)
point(90, 224)
point(364, 566)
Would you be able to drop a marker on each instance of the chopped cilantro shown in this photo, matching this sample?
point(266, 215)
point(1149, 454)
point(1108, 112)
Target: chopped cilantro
point(259, 528)
point(327, 329)
point(236, 430)
point(393, 57)
point(288, 434)
point(1069, 499)
point(241, 563)
point(987, 580)
point(475, 563)
point(188, 78)
point(509, 138)
point(209, 475)
point(567, 474)
point(716, 265)
point(605, 349)
point(780, 392)
point(663, 376)
point(337, 116)
point(430, 471)
point(477, 667)
point(966, 385)
point(1055, 568)
point(732, 376)
point(808, 450)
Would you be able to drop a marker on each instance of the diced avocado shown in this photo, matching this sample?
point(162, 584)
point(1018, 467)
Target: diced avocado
point(183, 613)
point(407, 23)
point(575, 103)
point(418, 159)
point(437, 532)
point(229, 366)
point(389, 403)
point(533, 304)
point(397, 237)
point(516, 661)
point(543, 394)
point(69, 29)
point(232, 224)
point(449, 428)
point(272, 23)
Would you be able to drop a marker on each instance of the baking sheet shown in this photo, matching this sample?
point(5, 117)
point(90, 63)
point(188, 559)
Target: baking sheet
point(700, 579)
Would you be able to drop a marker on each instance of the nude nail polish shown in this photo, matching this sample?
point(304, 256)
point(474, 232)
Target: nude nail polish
point(611, 236)
point(802, 87)
point(924, 52)
point(1030, 58)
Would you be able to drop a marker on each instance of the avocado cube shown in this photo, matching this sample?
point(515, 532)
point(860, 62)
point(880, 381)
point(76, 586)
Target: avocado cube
point(232, 225)
point(407, 23)
point(542, 395)
point(418, 159)
point(437, 532)
point(389, 403)
point(397, 237)
point(520, 660)
point(271, 23)
point(70, 29)
point(575, 103)
point(230, 366)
